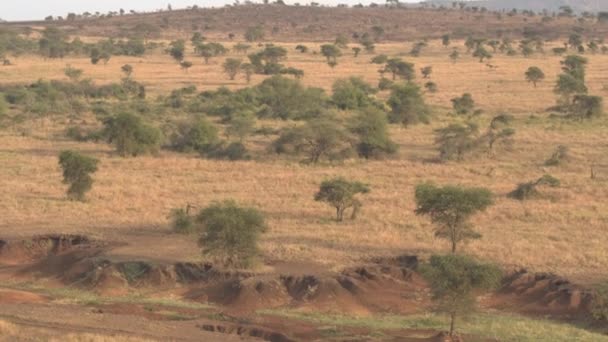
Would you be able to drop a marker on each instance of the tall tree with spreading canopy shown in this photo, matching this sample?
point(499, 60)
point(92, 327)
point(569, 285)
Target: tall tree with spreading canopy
point(341, 194)
point(455, 280)
point(450, 208)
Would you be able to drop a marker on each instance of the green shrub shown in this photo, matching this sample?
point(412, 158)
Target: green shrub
point(323, 138)
point(341, 194)
point(76, 172)
point(525, 191)
point(131, 135)
point(371, 127)
point(450, 208)
point(463, 104)
point(283, 98)
point(407, 105)
point(198, 135)
point(230, 233)
point(182, 222)
point(75, 133)
point(456, 280)
point(352, 93)
point(456, 140)
point(385, 84)
point(233, 151)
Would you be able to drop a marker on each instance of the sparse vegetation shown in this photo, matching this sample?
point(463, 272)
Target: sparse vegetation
point(341, 194)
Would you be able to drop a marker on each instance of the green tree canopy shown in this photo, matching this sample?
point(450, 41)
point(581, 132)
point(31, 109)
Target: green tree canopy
point(341, 194)
point(77, 169)
point(450, 208)
point(230, 233)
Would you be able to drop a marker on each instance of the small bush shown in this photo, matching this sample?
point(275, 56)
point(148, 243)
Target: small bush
point(131, 135)
point(230, 233)
point(182, 222)
point(76, 172)
point(526, 191)
point(558, 157)
point(233, 151)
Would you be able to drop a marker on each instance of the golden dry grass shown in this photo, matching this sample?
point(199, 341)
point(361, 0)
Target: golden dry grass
point(131, 198)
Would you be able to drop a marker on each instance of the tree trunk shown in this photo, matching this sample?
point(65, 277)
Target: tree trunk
point(452, 319)
point(453, 247)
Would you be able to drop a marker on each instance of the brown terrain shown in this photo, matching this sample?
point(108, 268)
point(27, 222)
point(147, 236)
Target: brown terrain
point(110, 268)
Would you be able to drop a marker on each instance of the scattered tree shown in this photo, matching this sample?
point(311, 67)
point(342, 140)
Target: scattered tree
point(407, 105)
point(77, 169)
point(400, 68)
point(127, 69)
point(525, 191)
point(131, 135)
point(370, 125)
point(352, 93)
point(255, 33)
point(232, 66)
point(185, 65)
point(456, 140)
point(331, 52)
point(445, 40)
point(455, 280)
point(317, 139)
point(534, 75)
point(230, 233)
point(177, 50)
point(450, 208)
point(341, 194)
point(463, 104)
point(426, 71)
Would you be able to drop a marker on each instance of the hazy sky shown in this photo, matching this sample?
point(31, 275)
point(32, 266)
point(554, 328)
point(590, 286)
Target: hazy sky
point(38, 9)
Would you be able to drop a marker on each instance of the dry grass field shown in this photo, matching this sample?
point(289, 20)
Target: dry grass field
point(564, 233)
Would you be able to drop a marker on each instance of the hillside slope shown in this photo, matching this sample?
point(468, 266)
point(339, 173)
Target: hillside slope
point(299, 23)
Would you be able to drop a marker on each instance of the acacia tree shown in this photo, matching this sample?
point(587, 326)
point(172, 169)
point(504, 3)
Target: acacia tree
point(482, 54)
point(450, 208)
point(131, 135)
point(331, 52)
point(177, 50)
point(317, 139)
point(426, 71)
point(185, 65)
point(456, 140)
point(399, 68)
point(534, 75)
point(127, 69)
point(230, 233)
point(455, 280)
point(340, 194)
point(407, 105)
point(77, 169)
point(232, 66)
point(370, 125)
point(463, 104)
point(498, 132)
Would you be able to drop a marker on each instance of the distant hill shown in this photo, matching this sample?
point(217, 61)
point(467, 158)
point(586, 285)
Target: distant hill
point(536, 5)
point(322, 24)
